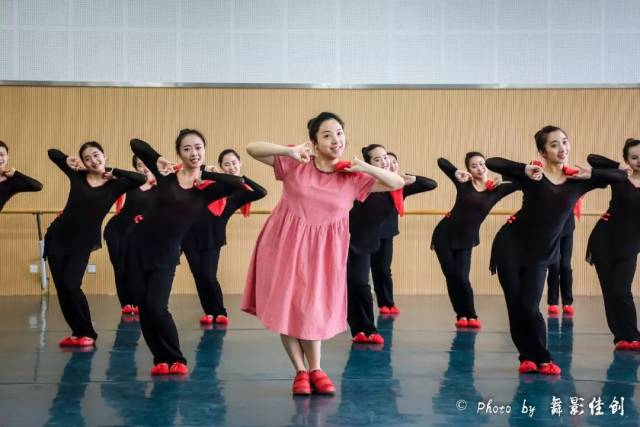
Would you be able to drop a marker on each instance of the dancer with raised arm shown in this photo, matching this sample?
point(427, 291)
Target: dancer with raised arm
point(296, 283)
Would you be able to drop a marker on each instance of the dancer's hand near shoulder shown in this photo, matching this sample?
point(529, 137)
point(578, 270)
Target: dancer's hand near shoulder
point(108, 174)
point(165, 167)
point(301, 152)
point(534, 172)
point(584, 172)
point(75, 163)
point(7, 172)
point(462, 176)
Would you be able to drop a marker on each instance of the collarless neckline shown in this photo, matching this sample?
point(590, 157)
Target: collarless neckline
point(313, 160)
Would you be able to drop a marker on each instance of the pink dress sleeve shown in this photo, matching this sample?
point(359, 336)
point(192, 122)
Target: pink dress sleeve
point(282, 165)
point(362, 184)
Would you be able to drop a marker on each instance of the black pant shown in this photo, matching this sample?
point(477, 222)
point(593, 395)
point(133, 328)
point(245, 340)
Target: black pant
point(115, 246)
point(523, 287)
point(616, 278)
point(561, 275)
point(67, 272)
point(151, 293)
point(204, 267)
point(359, 300)
point(456, 265)
point(381, 273)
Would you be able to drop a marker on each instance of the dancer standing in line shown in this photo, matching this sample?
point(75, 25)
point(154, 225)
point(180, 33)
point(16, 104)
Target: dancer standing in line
point(153, 245)
point(11, 181)
point(614, 245)
point(75, 233)
point(372, 225)
point(206, 237)
point(458, 232)
point(296, 281)
point(528, 243)
point(136, 202)
point(381, 260)
point(560, 275)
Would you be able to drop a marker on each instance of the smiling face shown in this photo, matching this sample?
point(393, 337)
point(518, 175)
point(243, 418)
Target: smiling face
point(556, 148)
point(93, 159)
point(477, 168)
point(379, 158)
point(231, 165)
point(192, 151)
point(633, 158)
point(330, 140)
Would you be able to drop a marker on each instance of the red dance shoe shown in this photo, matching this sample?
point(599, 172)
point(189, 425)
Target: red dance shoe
point(549, 369)
point(321, 383)
point(553, 309)
point(462, 323)
point(85, 342)
point(375, 339)
point(160, 369)
point(474, 323)
point(394, 310)
point(207, 319)
point(635, 345)
point(135, 309)
point(623, 346)
point(384, 310)
point(360, 337)
point(76, 342)
point(178, 368)
point(301, 384)
point(527, 366)
point(222, 319)
point(68, 342)
point(567, 309)
point(127, 309)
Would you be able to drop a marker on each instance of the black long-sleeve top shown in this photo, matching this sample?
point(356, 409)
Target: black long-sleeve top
point(377, 218)
point(569, 226)
point(617, 234)
point(136, 203)
point(209, 231)
point(390, 226)
point(18, 183)
point(460, 229)
point(174, 209)
point(533, 236)
point(78, 228)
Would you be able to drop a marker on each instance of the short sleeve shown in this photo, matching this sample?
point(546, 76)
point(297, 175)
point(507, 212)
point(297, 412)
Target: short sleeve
point(362, 184)
point(283, 165)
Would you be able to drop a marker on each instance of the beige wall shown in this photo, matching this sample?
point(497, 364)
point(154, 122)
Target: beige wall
point(419, 125)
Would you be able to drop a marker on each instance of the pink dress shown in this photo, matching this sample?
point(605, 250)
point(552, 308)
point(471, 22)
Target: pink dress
point(297, 279)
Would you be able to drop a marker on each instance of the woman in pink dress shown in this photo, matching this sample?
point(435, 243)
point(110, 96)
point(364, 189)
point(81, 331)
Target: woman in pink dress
point(296, 284)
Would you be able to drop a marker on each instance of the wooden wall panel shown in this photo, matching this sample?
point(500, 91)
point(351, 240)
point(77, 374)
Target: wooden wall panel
point(419, 125)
